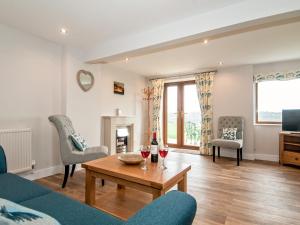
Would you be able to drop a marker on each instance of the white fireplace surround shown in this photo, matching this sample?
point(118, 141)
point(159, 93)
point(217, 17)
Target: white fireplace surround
point(111, 124)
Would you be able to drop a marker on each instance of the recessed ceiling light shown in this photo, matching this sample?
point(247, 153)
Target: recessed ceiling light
point(63, 31)
point(221, 63)
point(205, 41)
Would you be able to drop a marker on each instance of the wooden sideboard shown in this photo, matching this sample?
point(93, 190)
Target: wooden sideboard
point(289, 148)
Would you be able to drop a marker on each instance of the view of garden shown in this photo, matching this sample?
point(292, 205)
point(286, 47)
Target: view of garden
point(269, 109)
point(192, 116)
point(191, 129)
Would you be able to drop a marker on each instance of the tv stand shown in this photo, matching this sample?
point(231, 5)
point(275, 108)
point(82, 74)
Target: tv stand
point(289, 148)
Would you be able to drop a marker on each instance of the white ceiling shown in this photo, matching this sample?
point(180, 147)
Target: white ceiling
point(260, 46)
point(92, 22)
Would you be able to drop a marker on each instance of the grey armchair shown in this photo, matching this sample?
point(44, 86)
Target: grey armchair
point(230, 122)
point(69, 155)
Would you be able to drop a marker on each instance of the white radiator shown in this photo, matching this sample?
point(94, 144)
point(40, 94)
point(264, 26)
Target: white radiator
point(17, 147)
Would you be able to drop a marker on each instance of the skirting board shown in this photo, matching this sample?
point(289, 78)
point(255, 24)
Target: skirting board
point(232, 154)
point(38, 174)
point(265, 157)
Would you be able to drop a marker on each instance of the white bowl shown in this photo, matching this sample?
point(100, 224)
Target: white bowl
point(130, 158)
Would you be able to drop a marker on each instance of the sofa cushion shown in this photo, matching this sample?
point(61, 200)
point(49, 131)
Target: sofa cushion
point(18, 189)
point(174, 208)
point(70, 212)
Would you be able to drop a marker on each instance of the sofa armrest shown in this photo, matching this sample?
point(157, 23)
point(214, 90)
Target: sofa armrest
point(3, 166)
point(174, 208)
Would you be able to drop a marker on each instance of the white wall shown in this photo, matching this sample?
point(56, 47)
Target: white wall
point(233, 96)
point(38, 79)
point(267, 141)
point(131, 103)
point(267, 136)
point(30, 90)
point(86, 108)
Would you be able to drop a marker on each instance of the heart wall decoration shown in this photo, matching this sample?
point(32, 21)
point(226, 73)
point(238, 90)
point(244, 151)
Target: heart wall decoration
point(85, 80)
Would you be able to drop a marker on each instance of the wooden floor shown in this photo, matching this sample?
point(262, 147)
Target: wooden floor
point(254, 193)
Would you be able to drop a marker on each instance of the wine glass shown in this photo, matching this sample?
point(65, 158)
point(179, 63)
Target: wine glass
point(145, 152)
point(163, 152)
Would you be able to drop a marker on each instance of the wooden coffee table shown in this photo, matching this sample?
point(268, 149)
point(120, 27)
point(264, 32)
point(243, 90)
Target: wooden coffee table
point(154, 181)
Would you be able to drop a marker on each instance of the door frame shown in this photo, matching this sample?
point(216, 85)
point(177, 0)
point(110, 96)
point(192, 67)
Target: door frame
point(180, 114)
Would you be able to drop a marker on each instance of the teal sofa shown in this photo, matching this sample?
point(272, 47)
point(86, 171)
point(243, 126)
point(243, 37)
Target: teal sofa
point(175, 208)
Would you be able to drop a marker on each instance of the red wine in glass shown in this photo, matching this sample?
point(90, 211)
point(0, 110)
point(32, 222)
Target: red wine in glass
point(145, 152)
point(163, 152)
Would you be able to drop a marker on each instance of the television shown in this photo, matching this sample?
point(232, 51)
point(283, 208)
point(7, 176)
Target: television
point(291, 120)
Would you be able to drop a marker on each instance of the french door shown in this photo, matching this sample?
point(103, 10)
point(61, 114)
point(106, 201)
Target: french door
point(181, 115)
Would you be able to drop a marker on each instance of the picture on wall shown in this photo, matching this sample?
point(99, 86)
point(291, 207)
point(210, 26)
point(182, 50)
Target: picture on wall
point(119, 88)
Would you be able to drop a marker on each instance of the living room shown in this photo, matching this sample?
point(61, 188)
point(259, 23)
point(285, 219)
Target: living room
point(98, 64)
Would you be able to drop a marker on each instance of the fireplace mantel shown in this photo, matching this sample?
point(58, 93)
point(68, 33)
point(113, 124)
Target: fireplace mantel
point(111, 124)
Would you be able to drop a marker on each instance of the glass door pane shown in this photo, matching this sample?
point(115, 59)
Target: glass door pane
point(192, 116)
point(172, 114)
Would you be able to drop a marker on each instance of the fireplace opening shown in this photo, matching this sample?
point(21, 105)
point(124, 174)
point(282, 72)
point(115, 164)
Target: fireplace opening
point(122, 140)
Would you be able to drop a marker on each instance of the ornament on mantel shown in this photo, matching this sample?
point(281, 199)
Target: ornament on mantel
point(148, 96)
point(118, 112)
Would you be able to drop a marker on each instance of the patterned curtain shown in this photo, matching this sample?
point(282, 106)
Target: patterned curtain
point(204, 84)
point(277, 76)
point(158, 89)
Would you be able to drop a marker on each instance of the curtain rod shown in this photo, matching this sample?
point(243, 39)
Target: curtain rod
point(182, 75)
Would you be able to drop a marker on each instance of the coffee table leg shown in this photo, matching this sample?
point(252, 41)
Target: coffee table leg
point(120, 186)
point(182, 185)
point(90, 184)
point(157, 193)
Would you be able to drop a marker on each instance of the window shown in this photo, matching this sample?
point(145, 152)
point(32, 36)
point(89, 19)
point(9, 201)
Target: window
point(273, 96)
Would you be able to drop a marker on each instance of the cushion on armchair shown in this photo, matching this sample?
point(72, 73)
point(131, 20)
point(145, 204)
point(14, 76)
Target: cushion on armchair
point(229, 133)
point(79, 142)
point(230, 144)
